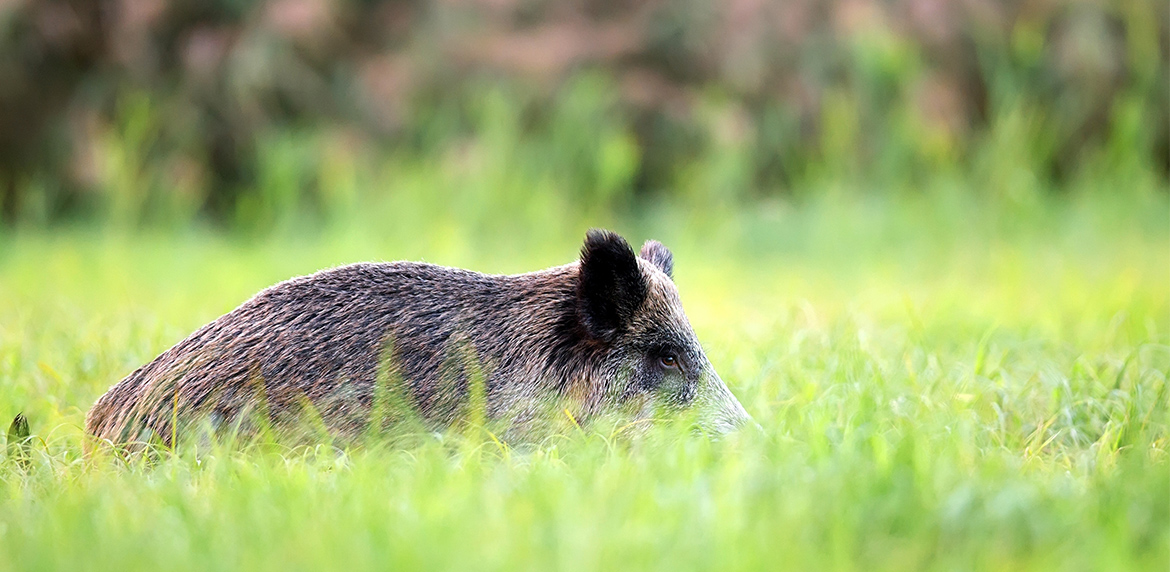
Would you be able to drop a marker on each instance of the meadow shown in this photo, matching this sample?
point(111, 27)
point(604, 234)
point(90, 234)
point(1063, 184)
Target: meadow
point(943, 382)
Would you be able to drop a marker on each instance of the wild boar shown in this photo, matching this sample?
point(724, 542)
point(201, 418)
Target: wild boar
point(603, 334)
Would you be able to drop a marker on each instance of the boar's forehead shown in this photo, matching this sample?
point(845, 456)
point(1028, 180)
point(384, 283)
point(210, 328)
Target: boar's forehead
point(661, 319)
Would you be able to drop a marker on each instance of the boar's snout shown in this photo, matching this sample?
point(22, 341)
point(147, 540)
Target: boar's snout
point(720, 412)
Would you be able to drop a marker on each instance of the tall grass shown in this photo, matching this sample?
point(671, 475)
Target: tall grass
point(943, 382)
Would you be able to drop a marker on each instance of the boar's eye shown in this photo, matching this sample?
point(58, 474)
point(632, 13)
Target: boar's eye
point(668, 361)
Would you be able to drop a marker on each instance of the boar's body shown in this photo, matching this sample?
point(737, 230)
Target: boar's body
point(591, 331)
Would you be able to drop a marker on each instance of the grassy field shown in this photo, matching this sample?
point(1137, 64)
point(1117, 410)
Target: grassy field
point(942, 384)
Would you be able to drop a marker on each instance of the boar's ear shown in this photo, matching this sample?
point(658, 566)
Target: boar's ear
point(658, 255)
point(611, 286)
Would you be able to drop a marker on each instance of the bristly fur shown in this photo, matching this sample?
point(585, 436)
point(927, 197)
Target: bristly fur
point(612, 287)
point(658, 255)
point(565, 332)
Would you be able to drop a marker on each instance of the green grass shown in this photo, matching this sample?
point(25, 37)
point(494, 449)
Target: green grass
point(942, 384)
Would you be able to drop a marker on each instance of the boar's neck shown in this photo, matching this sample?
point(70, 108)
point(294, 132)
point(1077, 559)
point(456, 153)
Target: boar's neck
point(535, 336)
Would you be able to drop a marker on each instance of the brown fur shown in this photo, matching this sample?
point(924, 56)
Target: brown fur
point(590, 331)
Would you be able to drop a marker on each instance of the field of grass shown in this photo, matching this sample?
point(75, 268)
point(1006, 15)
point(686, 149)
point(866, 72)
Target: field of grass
point(945, 384)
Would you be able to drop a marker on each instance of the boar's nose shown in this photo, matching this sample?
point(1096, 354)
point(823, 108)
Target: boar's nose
point(727, 413)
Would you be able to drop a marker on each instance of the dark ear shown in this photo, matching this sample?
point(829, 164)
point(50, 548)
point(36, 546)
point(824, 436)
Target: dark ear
point(611, 285)
point(658, 255)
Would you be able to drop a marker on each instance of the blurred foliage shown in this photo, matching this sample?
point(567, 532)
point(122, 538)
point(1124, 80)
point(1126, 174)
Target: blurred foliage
point(149, 111)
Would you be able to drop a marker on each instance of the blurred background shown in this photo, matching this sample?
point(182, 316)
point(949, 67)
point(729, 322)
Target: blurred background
point(925, 242)
point(519, 115)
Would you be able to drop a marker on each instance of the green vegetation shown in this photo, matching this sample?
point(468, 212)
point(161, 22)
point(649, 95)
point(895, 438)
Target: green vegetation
point(925, 243)
point(959, 381)
point(235, 111)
